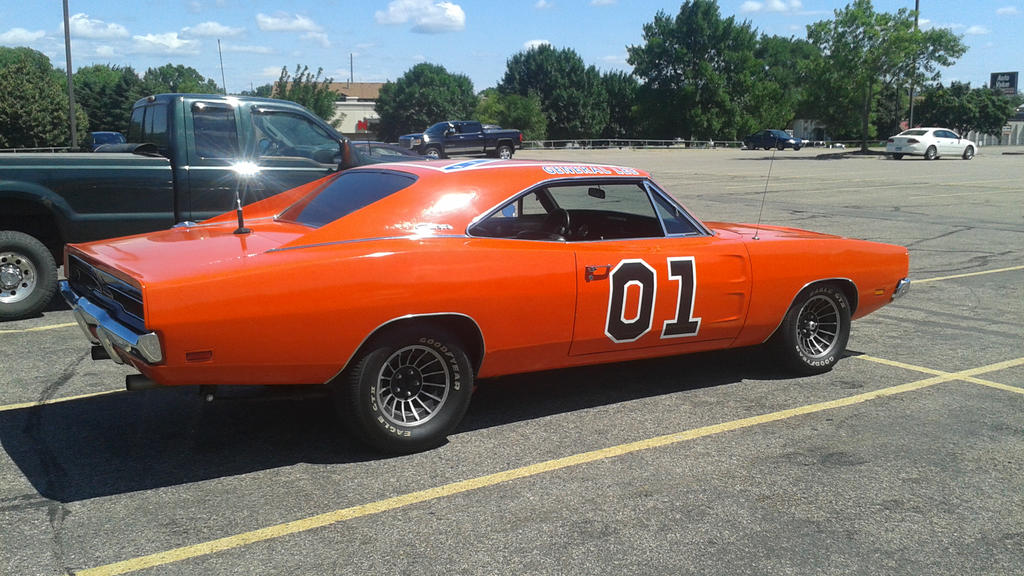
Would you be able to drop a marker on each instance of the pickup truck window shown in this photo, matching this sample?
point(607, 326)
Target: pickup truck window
point(469, 128)
point(149, 124)
point(216, 133)
point(291, 135)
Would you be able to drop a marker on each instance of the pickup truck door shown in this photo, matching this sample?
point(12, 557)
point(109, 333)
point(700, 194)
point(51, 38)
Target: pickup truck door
point(255, 153)
point(468, 139)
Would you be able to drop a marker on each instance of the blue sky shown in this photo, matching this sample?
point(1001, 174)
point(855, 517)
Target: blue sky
point(471, 37)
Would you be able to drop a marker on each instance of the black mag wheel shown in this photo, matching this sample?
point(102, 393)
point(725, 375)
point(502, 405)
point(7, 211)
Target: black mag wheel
point(815, 331)
point(28, 276)
point(897, 156)
point(408, 391)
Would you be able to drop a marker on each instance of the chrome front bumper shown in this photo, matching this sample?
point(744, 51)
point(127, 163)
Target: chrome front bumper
point(104, 330)
point(902, 287)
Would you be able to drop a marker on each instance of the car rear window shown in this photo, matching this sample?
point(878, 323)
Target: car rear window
point(347, 193)
point(914, 133)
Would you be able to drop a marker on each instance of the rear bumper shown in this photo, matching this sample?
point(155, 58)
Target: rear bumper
point(116, 338)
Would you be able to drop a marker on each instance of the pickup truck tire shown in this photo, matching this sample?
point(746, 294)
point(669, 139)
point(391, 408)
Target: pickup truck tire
point(28, 276)
point(433, 152)
point(504, 152)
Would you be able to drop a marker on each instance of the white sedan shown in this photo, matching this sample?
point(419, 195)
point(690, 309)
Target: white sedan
point(930, 143)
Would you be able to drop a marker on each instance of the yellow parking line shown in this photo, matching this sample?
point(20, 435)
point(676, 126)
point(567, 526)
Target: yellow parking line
point(39, 328)
point(983, 272)
point(9, 407)
point(326, 519)
point(965, 375)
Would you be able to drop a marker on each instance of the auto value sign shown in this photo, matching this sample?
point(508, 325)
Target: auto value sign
point(1005, 82)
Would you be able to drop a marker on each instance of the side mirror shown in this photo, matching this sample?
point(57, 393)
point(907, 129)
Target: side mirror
point(596, 193)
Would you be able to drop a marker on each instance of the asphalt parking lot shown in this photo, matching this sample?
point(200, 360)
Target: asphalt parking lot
point(907, 458)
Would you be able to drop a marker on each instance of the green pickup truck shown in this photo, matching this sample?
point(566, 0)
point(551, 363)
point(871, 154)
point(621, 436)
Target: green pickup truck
point(187, 158)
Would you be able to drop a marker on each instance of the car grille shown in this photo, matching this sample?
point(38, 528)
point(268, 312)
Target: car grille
point(120, 299)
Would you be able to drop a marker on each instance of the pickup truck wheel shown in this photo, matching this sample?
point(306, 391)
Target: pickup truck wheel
point(408, 391)
point(28, 276)
point(814, 333)
point(434, 153)
point(504, 152)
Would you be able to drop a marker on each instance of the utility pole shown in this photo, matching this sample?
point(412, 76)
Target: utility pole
point(71, 85)
point(223, 82)
point(917, 11)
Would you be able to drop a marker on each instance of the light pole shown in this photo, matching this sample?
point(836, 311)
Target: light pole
point(71, 85)
point(917, 10)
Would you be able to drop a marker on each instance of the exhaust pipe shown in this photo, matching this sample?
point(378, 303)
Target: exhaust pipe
point(135, 382)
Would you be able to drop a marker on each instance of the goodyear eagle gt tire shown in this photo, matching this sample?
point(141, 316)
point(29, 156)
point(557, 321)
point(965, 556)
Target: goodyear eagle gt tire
point(814, 333)
point(28, 276)
point(408, 391)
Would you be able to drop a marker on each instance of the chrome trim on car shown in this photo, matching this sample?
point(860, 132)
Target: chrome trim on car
point(101, 328)
point(902, 287)
point(360, 240)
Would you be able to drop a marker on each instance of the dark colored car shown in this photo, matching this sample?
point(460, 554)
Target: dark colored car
point(769, 139)
point(97, 139)
point(382, 151)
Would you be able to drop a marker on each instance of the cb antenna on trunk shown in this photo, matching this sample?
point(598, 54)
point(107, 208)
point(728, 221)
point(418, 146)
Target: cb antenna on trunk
point(764, 195)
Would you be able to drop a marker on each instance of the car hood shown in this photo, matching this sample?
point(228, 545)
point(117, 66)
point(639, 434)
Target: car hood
point(189, 250)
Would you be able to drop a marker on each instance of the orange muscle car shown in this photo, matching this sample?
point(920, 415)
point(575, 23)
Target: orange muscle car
point(397, 285)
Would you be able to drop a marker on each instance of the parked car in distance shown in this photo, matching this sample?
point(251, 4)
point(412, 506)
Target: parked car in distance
point(454, 137)
point(382, 151)
point(396, 285)
point(931, 143)
point(769, 139)
point(97, 139)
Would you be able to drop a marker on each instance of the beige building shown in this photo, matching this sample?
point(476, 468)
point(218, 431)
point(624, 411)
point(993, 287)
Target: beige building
point(355, 106)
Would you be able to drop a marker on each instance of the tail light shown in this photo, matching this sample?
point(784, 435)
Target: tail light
point(890, 141)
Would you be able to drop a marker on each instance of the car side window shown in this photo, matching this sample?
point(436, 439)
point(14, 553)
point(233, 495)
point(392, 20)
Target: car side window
point(280, 134)
point(576, 212)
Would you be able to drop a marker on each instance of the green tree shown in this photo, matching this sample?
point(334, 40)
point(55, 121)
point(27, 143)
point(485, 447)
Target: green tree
point(171, 78)
point(965, 109)
point(425, 94)
point(623, 91)
point(700, 73)
point(571, 94)
point(312, 91)
point(862, 52)
point(34, 102)
point(107, 93)
point(513, 111)
point(263, 91)
point(780, 95)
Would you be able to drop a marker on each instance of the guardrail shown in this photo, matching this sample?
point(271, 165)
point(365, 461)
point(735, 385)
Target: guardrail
point(606, 143)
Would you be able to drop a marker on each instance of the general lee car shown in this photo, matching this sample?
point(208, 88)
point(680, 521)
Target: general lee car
point(397, 285)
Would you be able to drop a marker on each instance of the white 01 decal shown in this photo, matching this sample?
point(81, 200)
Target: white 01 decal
point(632, 272)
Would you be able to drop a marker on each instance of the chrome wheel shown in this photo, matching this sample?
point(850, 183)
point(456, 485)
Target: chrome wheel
point(413, 385)
point(818, 326)
point(17, 277)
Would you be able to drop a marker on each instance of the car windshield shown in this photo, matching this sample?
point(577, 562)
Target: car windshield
point(347, 193)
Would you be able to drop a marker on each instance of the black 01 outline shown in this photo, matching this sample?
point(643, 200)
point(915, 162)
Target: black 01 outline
point(690, 326)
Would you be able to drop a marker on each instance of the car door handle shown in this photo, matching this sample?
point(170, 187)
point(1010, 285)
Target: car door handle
point(593, 274)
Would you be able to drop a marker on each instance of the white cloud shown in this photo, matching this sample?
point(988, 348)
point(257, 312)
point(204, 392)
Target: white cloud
point(531, 44)
point(976, 30)
point(211, 30)
point(772, 6)
point(270, 72)
point(20, 37)
point(318, 37)
point(167, 43)
point(248, 49)
point(542, 4)
point(282, 22)
point(602, 2)
point(1008, 11)
point(106, 52)
point(84, 27)
point(426, 16)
